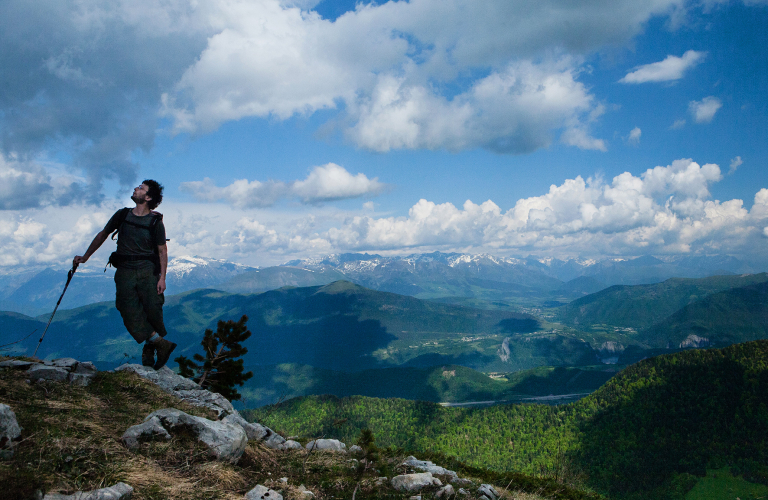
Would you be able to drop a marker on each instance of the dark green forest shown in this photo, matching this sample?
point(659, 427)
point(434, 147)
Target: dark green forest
point(649, 432)
point(641, 306)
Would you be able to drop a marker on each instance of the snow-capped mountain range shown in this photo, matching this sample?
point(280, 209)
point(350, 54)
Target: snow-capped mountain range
point(432, 275)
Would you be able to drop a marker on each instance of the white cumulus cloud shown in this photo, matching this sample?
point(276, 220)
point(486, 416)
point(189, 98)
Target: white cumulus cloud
point(28, 184)
point(514, 111)
point(665, 210)
point(735, 163)
point(435, 74)
point(634, 136)
point(703, 111)
point(671, 68)
point(327, 182)
point(332, 182)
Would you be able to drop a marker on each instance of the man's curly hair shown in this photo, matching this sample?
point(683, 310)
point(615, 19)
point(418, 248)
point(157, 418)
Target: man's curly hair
point(155, 192)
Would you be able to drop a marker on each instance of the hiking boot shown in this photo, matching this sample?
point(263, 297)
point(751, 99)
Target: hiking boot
point(148, 354)
point(164, 350)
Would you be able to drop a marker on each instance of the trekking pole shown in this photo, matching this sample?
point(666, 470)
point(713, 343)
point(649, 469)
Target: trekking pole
point(69, 278)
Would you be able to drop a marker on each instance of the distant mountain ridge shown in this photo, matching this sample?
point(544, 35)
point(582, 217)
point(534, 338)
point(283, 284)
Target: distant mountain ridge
point(480, 280)
point(640, 270)
point(641, 306)
point(340, 326)
point(36, 291)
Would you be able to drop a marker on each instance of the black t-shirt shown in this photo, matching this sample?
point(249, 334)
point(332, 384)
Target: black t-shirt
point(132, 240)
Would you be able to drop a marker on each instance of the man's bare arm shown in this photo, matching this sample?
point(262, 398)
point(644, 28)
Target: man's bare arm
point(163, 251)
point(98, 240)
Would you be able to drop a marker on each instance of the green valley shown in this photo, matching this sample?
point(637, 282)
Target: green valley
point(446, 383)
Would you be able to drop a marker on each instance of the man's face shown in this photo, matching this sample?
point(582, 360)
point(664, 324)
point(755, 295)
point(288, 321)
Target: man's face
point(140, 194)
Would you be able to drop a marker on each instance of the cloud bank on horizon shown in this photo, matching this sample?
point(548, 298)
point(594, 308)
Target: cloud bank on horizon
point(667, 210)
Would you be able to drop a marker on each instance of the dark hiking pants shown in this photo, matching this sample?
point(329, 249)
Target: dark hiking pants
point(138, 302)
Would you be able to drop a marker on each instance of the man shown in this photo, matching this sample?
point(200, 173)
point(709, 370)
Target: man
point(141, 260)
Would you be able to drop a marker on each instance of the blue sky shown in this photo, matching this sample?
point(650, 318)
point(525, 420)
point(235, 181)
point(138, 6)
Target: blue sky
point(288, 130)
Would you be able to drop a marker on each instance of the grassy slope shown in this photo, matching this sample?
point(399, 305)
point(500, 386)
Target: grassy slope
point(640, 306)
point(647, 433)
point(71, 441)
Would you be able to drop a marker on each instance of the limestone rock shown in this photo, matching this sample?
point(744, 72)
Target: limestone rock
point(147, 430)
point(355, 449)
point(165, 378)
point(81, 379)
point(414, 482)
point(45, 372)
point(381, 481)
point(86, 368)
point(290, 445)
point(255, 432)
point(225, 441)
point(273, 440)
point(9, 431)
point(304, 493)
point(427, 466)
point(207, 399)
point(463, 492)
point(458, 481)
point(488, 490)
point(326, 445)
point(57, 370)
point(120, 491)
point(263, 493)
point(17, 364)
point(68, 364)
point(445, 492)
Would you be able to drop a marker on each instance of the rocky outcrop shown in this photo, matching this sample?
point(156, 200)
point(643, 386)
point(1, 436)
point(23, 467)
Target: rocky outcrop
point(233, 430)
point(164, 378)
point(694, 341)
point(410, 483)
point(445, 492)
point(145, 431)
point(263, 493)
point(207, 399)
point(487, 492)
point(225, 441)
point(255, 432)
point(326, 445)
point(427, 466)
point(9, 431)
point(189, 392)
point(57, 370)
point(290, 445)
point(120, 491)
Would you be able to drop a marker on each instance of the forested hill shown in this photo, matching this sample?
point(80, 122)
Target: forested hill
point(640, 306)
point(649, 432)
point(340, 326)
point(727, 317)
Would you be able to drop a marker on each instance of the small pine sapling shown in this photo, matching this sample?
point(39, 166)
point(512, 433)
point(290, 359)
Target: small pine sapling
point(367, 442)
point(219, 370)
